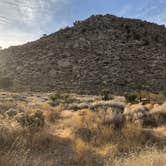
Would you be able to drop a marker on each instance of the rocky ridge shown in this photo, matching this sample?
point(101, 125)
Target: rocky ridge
point(100, 52)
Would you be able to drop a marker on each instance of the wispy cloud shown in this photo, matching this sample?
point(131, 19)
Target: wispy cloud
point(152, 10)
point(24, 20)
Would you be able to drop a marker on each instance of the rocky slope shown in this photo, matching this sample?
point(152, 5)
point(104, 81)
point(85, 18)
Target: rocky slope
point(101, 52)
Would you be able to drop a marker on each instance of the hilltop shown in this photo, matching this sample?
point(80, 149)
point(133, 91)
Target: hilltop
point(103, 51)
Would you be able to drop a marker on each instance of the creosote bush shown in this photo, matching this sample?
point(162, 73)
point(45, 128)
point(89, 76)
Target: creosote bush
point(105, 94)
point(32, 122)
point(62, 97)
point(131, 98)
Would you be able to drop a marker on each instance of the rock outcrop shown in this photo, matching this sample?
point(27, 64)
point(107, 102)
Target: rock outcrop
point(101, 52)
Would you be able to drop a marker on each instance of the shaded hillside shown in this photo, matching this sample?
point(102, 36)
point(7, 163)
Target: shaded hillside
point(100, 52)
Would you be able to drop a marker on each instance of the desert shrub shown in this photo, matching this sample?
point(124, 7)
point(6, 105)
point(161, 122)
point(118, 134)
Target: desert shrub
point(101, 118)
point(115, 120)
point(131, 98)
point(11, 112)
point(106, 104)
point(153, 97)
point(5, 106)
point(142, 116)
point(33, 122)
point(62, 97)
point(149, 121)
point(87, 123)
point(128, 138)
point(69, 99)
point(92, 129)
point(75, 106)
point(84, 133)
point(157, 98)
point(160, 118)
point(137, 114)
point(158, 115)
point(55, 97)
point(105, 94)
point(52, 115)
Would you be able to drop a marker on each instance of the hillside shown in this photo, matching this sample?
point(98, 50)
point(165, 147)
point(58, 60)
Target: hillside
point(101, 52)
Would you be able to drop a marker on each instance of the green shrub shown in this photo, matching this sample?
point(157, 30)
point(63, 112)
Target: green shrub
point(55, 97)
point(105, 94)
point(131, 98)
point(63, 97)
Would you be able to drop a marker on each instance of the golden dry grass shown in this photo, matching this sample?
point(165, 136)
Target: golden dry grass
point(76, 138)
point(145, 158)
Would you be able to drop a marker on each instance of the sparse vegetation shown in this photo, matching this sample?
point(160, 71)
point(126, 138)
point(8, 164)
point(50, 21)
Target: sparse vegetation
point(62, 97)
point(131, 97)
point(105, 94)
point(106, 41)
point(99, 133)
point(33, 121)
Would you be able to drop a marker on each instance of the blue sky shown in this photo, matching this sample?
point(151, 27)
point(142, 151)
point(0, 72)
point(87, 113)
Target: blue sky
point(27, 20)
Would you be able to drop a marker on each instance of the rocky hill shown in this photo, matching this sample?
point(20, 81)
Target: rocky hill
point(101, 52)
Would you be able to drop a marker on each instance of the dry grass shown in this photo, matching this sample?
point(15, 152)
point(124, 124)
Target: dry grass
point(145, 158)
point(93, 132)
point(31, 137)
point(9, 131)
point(157, 116)
point(5, 106)
point(153, 97)
point(52, 113)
